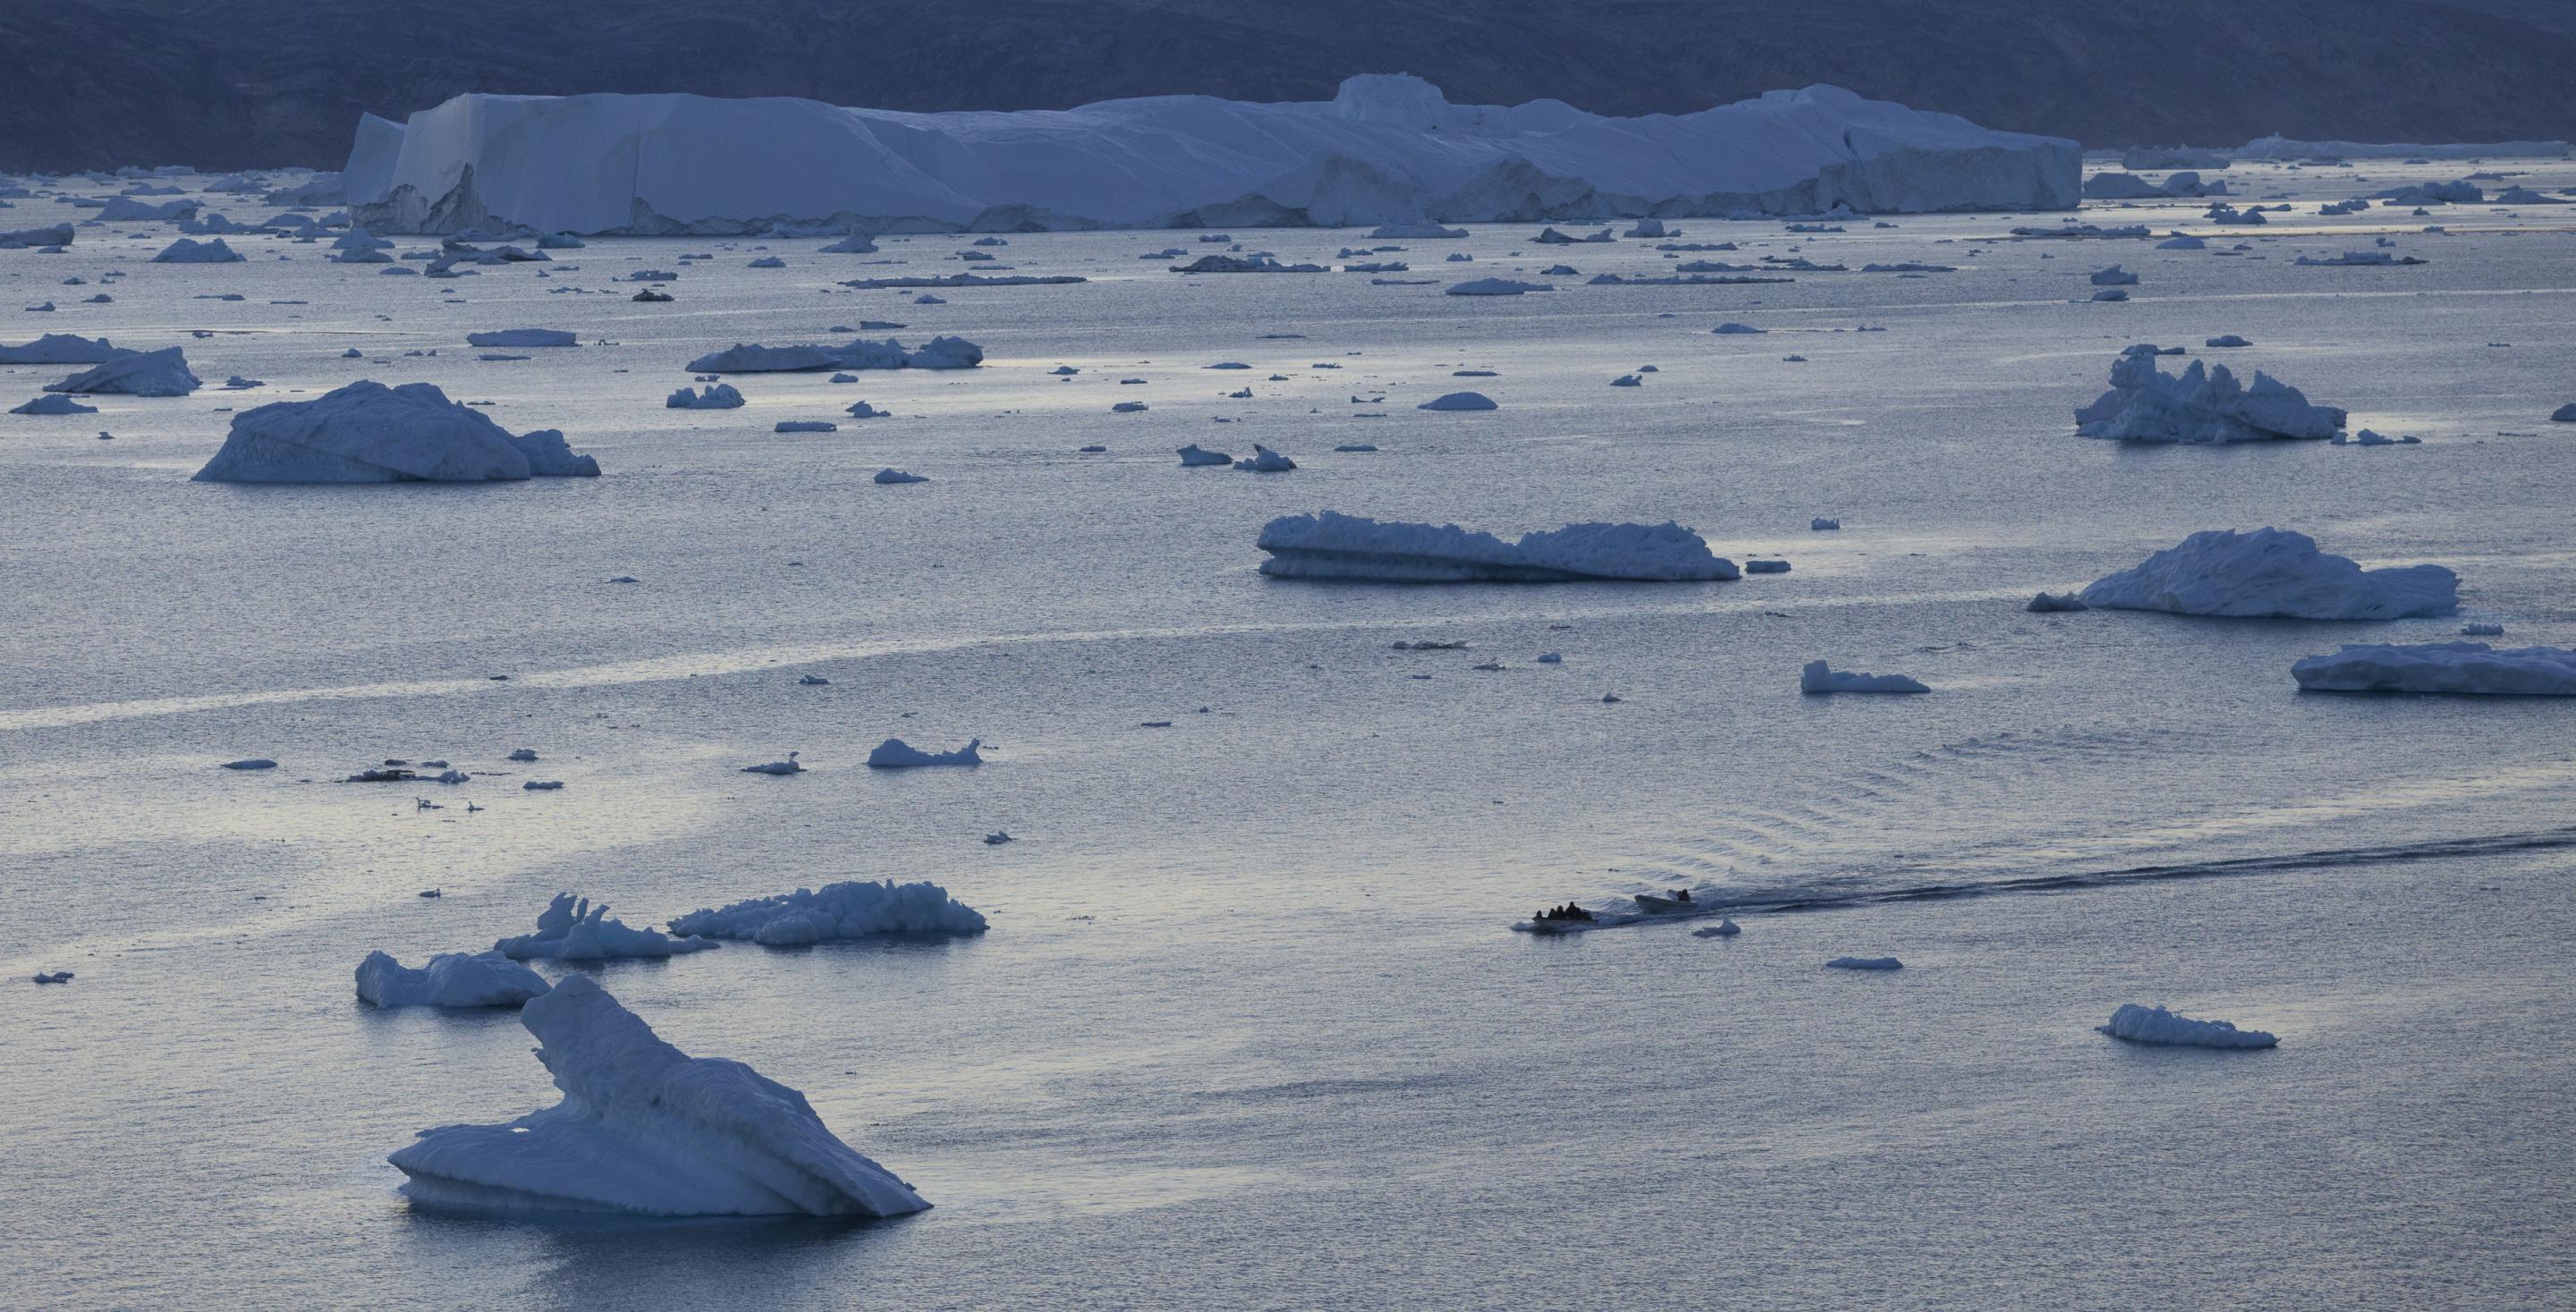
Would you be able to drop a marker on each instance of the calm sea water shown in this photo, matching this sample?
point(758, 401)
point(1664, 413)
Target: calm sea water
point(1251, 1028)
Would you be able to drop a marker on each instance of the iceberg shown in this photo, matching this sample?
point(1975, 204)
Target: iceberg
point(891, 476)
point(2450, 667)
point(2053, 602)
point(135, 373)
point(714, 396)
point(1192, 456)
point(523, 337)
point(896, 754)
point(1495, 287)
point(1459, 401)
point(570, 931)
point(1263, 460)
point(2273, 573)
point(61, 348)
point(937, 353)
point(2202, 405)
point(367, 432)
point(1387, 149)
point(58, 235)
point(1821, 677)
point(189, 251)
point(2139, 1024)
point(1327, 545)
point(646, 1129)
point(451, 979)
point(54, 403)
point(838, 912)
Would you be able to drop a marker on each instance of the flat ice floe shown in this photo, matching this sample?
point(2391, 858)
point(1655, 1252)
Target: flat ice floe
point(1386, 149)
point(1821, 677)
point(2274, 573)
point(570, 931)
point(2141, 1024)
point(523, 337)
point(2202, 405)
point(2445, 667)
point(851, 910)
point(937, 353)
point(451, 979)
point(646, 1129)
point(367, 432)
point(1327, 545)
point(1865, 963)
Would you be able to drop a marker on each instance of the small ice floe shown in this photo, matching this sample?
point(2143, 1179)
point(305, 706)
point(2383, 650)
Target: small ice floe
point(2224, 341)
point(2111, 294)
point(1354, 447)
point(578, 931)
point(1733, 329)
point(1766, 567)
point(1627, 380)
point(543, 785)
point(997, 838)
point(862, 410)
point(1426, 644)
point(806, 425)
point(1611, 699)
point(2476, 629)
point(1337, 546)
point(1818, 676)
point(1263, 460)
point(891, 476)
point(2276, 574)
point(648, 294)
point(1821, 524)
point(53, 977)
point(837, 913)
point(1865, 963)
point(2441, 667)
point(1127, 407)
point(813, 681)
point(1551, 658)
point(251, 763)
point(2565, 414)
point(644, 1129)
point(1724, 928)
point(714, 396)
point(2201, 405)
point(432, 892)
point(54, 403)
point(767, 262)
point(896, 754)
point(188, 251)
point(1459, 401)
point(237, 383)
point(1090, 450)
point(451, 979)
point(523, 337)
point(450, 776)
point(1495, 287)
point(2115, 276)
point(2051, 602)
point(788, 766)
point(857, 243)
point(2142, 1024)
point(2367, 437)
point(527, 753)
point(1194, 456)
point(2357, 258)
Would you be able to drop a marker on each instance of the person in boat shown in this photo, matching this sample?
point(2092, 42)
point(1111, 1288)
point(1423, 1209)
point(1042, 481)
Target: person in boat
point(1567, 912)
point(1681, 895)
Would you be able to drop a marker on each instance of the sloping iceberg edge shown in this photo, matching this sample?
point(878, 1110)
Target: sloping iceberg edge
point(1388, 148)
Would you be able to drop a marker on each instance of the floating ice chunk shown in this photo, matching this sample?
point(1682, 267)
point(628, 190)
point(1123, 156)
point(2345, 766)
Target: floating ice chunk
point(1265, 461)
point(2115, 276)
point(1724, 928)
point(134, 373)
point(937, 353)
point(646, 1129)
point(1193, 455)
point(2203, 404)
point(1459, 401)
point(1649, 228)
point(862, 410)
point(543, 785)
point(2481, 629)
point(57, 236)
point(1821, 677)
point(54, 403)
point(523, 337)
point(1551, 658)
point(806, 425)
point(836, 913)
point(2367, 258)
point(582, 932)
point(1627, 380)
point(367, 432)
point(1495, 287)
point(788, 766)
point(2179, 242)
point(2441, 667)
point(188, 251)
point(1820, 524)
point(1336, 546)
point(1411, 232)
point(814, 681)
point(1731, 329)
point(891, 476)
point(857, 243)
point(1244, 264)
point(2226, 341)
point(523, 754)
point(451, 979)
point(2049, 602)
point(2121, 186)
point(2139, 1024)
point(2112, 294)
point(237, 383)
point(53, 977)
point(896, 754)
point(1766, 567)
point(2271, 572)
point(61, 348)
point(2565, 414)
point(1865, 963)
point(714, 396)
point(251, 763)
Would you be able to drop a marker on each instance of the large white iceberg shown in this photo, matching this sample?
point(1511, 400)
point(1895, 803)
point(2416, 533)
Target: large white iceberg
point(1388, 148)
point(570, 931)
point(367, 432)
point(451, 979)
point(646, 1129)
point(853, 909)
point(2275, 573)
point(2203, 404)
point(2141, 1024)
point(2460, 667)
point(1326, 545)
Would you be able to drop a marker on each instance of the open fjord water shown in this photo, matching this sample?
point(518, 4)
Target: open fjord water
point(1251, 1027)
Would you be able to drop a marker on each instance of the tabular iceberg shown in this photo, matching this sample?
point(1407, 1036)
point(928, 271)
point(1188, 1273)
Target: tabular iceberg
point(1327, 545)
point(646, 1129)
point(1387, 148)
point(2457, 667)
point(2140, 1024)
point(367, 432)
point(2145, 404)
point(853, 909)
point(451, 979)
point(2273, 573)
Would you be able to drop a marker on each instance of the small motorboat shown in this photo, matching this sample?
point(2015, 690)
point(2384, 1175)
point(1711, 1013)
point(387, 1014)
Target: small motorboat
point(1677, 901)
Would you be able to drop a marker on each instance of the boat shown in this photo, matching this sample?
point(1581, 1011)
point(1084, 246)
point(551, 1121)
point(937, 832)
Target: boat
point(1679, 901)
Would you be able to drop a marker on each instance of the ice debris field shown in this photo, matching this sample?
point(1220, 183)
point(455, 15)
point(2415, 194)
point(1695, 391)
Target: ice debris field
point(1209, 601)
